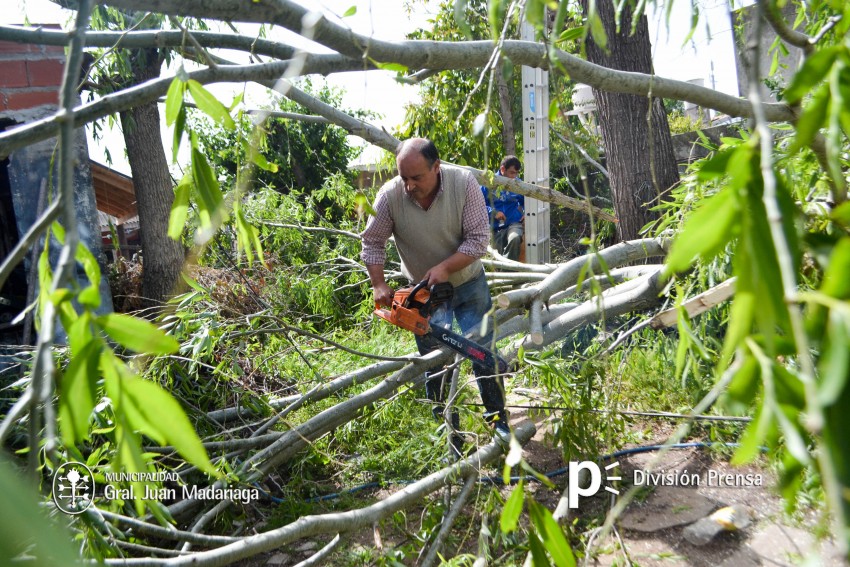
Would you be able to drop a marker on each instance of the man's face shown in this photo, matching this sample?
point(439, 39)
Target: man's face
point(511, 172)
point(420, 181)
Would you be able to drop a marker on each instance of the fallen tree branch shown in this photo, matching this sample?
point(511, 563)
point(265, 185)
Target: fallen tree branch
point(606, 281)
point(568, 273)
point(142, 39)
point(342, 522)
point(644, 296)
point(288, 443)
point(164, 533)
point(321, 554)
point(696, 305)
point(437, 55)
point(449, 520)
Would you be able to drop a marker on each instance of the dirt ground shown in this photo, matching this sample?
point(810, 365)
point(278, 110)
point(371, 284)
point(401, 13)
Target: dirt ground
point(651, 531)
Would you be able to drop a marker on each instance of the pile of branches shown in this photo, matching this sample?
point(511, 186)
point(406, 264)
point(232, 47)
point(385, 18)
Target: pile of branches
point(536, 306)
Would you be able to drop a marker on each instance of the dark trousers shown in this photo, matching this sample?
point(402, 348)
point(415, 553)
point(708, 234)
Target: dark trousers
point(470, 302)
point(508, 241)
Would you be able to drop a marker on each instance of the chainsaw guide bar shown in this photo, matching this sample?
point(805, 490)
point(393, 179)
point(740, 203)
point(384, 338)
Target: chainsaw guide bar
point(412, 308)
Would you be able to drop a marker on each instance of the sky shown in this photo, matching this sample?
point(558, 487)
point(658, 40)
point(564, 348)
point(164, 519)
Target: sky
point(374, 90)
point(708, 55)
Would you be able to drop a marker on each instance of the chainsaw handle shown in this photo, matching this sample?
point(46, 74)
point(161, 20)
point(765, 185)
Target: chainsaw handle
point(421, 285)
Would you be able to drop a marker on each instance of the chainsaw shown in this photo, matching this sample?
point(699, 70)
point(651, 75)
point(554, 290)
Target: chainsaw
point(412, 308)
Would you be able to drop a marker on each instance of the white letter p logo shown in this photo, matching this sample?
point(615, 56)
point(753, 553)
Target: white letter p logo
point(576, 490)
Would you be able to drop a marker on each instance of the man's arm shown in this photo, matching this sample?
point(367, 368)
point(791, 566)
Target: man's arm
point(383, 292)
point(374, 238)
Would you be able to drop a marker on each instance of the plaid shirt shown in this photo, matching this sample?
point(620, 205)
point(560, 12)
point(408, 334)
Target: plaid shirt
point(476, 225)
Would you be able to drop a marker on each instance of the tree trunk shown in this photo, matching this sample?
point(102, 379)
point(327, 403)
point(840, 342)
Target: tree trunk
point(162, 257)
point(635, 145)
point(508, 134)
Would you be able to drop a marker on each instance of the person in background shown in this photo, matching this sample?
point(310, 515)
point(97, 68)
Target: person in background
point(436, 214)
point(506, 210)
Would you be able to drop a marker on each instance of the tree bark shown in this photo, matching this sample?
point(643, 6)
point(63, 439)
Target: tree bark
point(508, 133)
point(638, 148)
point(162, 257)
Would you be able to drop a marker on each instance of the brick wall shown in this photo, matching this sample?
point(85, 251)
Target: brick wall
point(30, 75)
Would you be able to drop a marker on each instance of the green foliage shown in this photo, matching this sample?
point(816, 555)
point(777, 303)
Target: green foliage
point(304, 154)
point(781, 345)
point(29, 536)
point(449, 121)
point(96, 378)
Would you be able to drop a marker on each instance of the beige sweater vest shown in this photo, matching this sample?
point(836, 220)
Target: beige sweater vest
point(426, 238)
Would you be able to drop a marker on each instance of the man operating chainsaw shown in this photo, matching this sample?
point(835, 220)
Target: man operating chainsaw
point(440, 223)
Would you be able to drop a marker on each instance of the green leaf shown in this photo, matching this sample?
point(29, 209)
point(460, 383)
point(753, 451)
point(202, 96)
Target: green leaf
point(460, 18)
point(495, 14)
point(78, 390)
point(841, 94)
point(813, 70)
point(26, 530)
point(260, 161)
point(395, 67)
point(570, 34)
point(706, 231)
point(153, 412)
point(179, 209)
point(193, 284)
point(560, 18)
point(716, 166)
point(743, 387)
point(89, 263)
point(552, 535)
point(90, 296)
point(247, 237)
point(535, 11)
point(774, 63)
point(538, 553)
point(512, 509)
point(597, 28)
point(834, 138)
point(835, 363)
point(835, 281)
point(554, 108)
point(137, 334)
point(174, 101)
point(350, 12)
point(58, 232)
point(812, 120)
point(179, 129)
point(757, 431)
point(211, 201)
point(210, 105)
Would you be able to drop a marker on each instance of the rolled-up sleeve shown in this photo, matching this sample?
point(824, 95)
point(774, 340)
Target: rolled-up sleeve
point(476, 225)
point(378, 230)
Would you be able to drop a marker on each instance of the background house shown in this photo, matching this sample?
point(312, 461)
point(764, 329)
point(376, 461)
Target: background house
point(30, 77)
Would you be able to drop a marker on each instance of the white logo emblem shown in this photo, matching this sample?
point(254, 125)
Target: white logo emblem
point(595, 484)
point(73, 487)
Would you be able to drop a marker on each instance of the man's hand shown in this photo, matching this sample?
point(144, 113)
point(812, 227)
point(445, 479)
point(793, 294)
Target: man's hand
point(500, 216)
point(437, 274)
point(383, 295)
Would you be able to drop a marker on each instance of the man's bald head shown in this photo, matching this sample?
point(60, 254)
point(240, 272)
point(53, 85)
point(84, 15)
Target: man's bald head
point(420, 146)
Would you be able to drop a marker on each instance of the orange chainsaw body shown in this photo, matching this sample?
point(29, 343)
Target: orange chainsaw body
point(411, 310)
point(406, 310)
